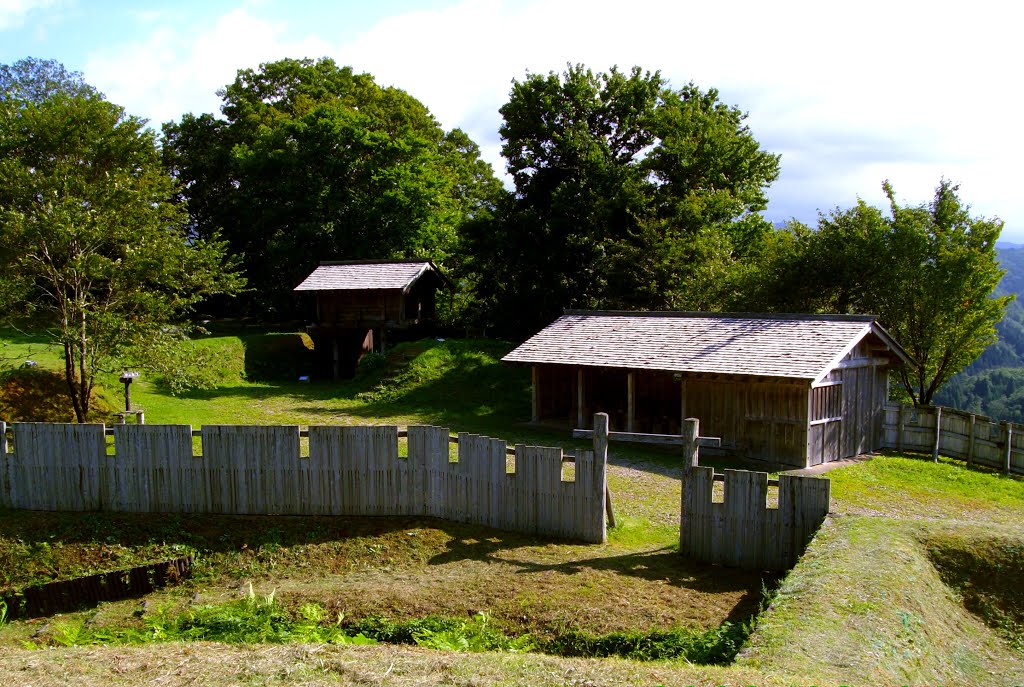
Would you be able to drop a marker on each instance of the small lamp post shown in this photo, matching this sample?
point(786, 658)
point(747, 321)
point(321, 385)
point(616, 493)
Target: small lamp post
point(127, 378)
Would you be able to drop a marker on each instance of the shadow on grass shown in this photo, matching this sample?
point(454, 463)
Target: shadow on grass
point(664, 565)
point(206, 532)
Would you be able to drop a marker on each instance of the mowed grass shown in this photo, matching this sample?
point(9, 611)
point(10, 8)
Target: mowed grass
point(908, 486)
point(401, 569)
point(896, 589)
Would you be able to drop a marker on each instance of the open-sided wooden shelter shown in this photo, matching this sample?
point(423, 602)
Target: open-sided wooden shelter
point(792, 389)
point(358, 302)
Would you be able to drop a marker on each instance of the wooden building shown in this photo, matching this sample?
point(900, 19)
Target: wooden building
point(790, 389)
point(358, 303)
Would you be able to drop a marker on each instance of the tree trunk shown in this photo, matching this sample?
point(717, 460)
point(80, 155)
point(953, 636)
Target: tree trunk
point(69, 378)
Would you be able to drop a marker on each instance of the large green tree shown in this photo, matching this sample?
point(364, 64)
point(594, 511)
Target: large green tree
point(92, 246)
point(940, 305)
point(929, 272)
point(628, 193)
point(313, 162)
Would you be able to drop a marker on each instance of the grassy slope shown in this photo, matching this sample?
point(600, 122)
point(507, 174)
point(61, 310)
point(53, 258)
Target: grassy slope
point(846, 615)
point(867, 604)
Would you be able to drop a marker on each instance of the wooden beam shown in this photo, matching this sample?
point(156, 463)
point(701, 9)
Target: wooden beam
point(535, 396)
point(900, 426)
point(682, 403)
point(970, 441)
point(862, 362)
point(1009, 446)
point(630, 401)
point(580, 396)
point(938, 433)
point(809, 449)
point(660, 439)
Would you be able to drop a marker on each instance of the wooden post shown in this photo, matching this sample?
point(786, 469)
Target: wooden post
point(141, 417)
point(535, 396)
point(630, 401)
point(3, 438)
point(970, 441)
point(938, 433)
point(1008, 433)
point(682, 404)
point(336, 358)
point(691, 430)
point(601, 457)
point(900, 426)
point(579, 399)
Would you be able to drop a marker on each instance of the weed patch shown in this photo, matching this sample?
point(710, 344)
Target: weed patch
point(716, 646)
point(447, 634)
point(250, 620)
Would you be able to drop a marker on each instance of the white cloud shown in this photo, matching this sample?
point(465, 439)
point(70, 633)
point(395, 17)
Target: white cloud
point(849, 94)
point(13, 13)
point(176, 69)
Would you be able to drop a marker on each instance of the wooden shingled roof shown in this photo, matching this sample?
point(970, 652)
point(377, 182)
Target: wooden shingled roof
point(794, 346)
point(360, 275)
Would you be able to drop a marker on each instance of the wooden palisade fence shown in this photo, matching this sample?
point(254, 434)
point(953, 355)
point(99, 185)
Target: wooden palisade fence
point(260, 470)
point(956, 434)
point(742, 531)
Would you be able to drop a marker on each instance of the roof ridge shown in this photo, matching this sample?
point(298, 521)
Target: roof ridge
point(824, 317)
point(396, 261)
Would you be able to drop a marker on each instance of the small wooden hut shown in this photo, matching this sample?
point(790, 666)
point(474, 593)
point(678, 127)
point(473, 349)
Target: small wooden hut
point(790, 389)
point(359, 302)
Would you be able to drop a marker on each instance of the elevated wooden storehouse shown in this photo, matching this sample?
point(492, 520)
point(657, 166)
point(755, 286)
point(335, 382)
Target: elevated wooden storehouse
point(359, 302)
point(791, 389)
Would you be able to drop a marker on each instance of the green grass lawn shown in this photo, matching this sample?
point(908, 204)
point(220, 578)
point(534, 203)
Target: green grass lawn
point(915, 578)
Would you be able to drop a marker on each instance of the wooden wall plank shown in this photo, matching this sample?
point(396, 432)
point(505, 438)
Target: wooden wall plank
point(150, 460)
point(742, 531)
point(350, 470)
point(5, 463)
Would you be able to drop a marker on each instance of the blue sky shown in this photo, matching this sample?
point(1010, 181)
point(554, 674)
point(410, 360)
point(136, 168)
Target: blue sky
point(849, 94)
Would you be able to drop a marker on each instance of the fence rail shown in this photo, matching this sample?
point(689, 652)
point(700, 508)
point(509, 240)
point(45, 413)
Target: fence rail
point(253, 469)
point(955, 433)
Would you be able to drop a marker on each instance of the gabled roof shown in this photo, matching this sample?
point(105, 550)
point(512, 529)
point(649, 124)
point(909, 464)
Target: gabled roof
point(359, 275)
point(794, 346)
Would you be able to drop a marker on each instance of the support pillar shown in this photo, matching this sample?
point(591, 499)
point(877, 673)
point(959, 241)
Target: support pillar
point(580, 399)
point(1008, 433)
point(682, 405)
point(631, 401)
point(535, 395)
point(970, 441)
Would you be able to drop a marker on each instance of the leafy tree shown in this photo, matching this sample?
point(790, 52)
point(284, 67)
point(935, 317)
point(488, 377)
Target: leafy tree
point(928, 272)
point(628, 193)
point(942, 309)
point(91, 245)
point(32, 80)
point(314, 162)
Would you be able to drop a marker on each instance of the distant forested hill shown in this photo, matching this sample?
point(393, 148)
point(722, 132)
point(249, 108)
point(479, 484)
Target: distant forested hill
point(994, 384)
